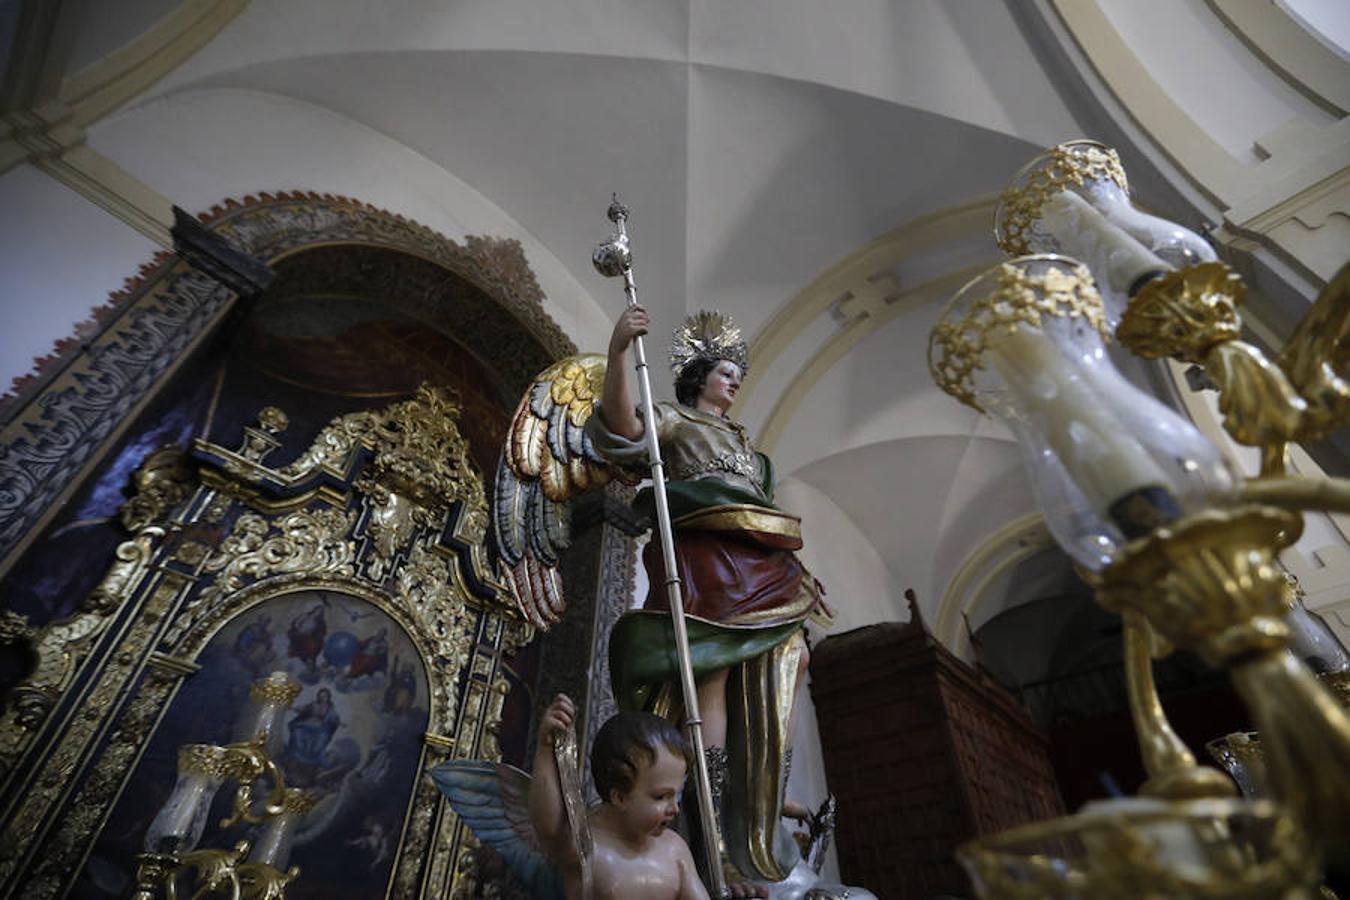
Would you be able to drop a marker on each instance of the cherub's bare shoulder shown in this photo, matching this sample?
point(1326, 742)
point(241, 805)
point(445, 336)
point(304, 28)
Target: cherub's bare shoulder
point(670, 843)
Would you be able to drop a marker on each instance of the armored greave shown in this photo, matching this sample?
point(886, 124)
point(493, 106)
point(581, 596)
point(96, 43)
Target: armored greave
point(718, 773)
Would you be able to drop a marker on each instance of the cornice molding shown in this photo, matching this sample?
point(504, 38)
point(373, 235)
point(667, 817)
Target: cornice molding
point(37, 128)
point(968, 590)
point(113, 189)
point(842, 343)
point(1287, 48)
point(861, 294)
point(102, 87)
point(1200, 157)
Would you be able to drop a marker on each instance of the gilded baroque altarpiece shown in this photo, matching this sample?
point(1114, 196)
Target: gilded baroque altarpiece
point(385, 508)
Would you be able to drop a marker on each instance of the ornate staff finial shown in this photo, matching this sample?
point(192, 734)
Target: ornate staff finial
point(613, 257)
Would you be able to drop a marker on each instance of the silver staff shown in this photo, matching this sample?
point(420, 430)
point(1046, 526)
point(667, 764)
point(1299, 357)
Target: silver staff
point(612, 258)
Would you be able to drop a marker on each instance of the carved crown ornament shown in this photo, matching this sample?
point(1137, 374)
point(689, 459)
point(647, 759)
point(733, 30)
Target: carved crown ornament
point(385, 506)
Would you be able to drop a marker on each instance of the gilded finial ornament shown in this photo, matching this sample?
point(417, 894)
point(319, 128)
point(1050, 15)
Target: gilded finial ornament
point(708, 334)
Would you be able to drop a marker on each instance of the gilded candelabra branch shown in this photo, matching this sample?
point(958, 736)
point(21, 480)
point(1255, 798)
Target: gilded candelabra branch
point(1171, 767)
point(1315, 494)
point(1171, 536)
point(261, 881)
point(248, 762)
point(1210, 583)
point(212, 871)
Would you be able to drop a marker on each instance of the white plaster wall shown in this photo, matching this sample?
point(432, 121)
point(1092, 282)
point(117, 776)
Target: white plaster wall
point(860, 586)
point(862, 590)
point(200, 147)
point(60, 256)
point(881, 391)
point(964, 59)
point(271, 30)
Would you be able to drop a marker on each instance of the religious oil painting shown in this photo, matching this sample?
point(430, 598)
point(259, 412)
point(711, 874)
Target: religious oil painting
point(351, 739)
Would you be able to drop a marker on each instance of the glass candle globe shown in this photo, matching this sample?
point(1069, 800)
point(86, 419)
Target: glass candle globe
point(1240, 755)
point(273, 843)
point(178, 826)
point(262, 716)
point(1074, 199)
point(1313, 641)
point(1025, 342)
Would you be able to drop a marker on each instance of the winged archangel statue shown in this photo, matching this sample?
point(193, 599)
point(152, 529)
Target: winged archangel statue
point(729, 667)
point(548, 461)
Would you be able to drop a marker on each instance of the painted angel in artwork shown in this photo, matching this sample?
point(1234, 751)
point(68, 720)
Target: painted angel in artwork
point(746, 595)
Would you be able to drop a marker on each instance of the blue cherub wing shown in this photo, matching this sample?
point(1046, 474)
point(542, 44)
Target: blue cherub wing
point(491, 798)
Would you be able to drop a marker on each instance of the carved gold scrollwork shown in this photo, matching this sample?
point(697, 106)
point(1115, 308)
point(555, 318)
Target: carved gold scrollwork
point(1317, 358)
point(391, 522)
point(163, 480)
point(311, 541)
point(421, 454)
point(425, 586)
point(1191, 315)
point(59, 647)
point(14, 628)
point(383, 545)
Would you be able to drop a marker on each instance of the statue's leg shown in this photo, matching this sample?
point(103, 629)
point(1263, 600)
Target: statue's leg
point(712, 707)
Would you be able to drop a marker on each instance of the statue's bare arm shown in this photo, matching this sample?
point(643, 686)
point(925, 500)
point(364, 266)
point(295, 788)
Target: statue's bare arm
point(616, 400)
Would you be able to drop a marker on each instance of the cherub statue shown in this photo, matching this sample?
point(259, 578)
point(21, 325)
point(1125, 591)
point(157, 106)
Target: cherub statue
point(620, 848)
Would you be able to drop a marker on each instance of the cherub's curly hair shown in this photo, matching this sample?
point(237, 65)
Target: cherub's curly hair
point(626, 742)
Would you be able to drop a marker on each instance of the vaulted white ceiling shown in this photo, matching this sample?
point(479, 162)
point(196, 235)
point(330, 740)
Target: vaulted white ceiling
point(821, 171)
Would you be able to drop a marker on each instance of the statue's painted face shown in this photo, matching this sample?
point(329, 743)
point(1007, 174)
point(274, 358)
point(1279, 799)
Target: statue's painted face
point(720, 387)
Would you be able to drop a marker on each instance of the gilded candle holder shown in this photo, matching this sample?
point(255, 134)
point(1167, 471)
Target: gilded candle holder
point(1133, 848)
point(1210, 583)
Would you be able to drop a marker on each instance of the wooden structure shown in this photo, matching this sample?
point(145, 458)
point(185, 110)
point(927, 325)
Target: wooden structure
point(923, 752)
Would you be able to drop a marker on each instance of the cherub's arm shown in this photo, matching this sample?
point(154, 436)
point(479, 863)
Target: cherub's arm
point(547, 813)
point(616, 400)
point(691, 887)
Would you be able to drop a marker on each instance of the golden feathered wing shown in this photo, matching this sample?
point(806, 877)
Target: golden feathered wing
point(547, 461)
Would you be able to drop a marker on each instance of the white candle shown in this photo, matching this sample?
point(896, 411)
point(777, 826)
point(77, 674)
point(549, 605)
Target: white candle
point(1117, 261)
point(1107, 463)
point(1177, 246)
